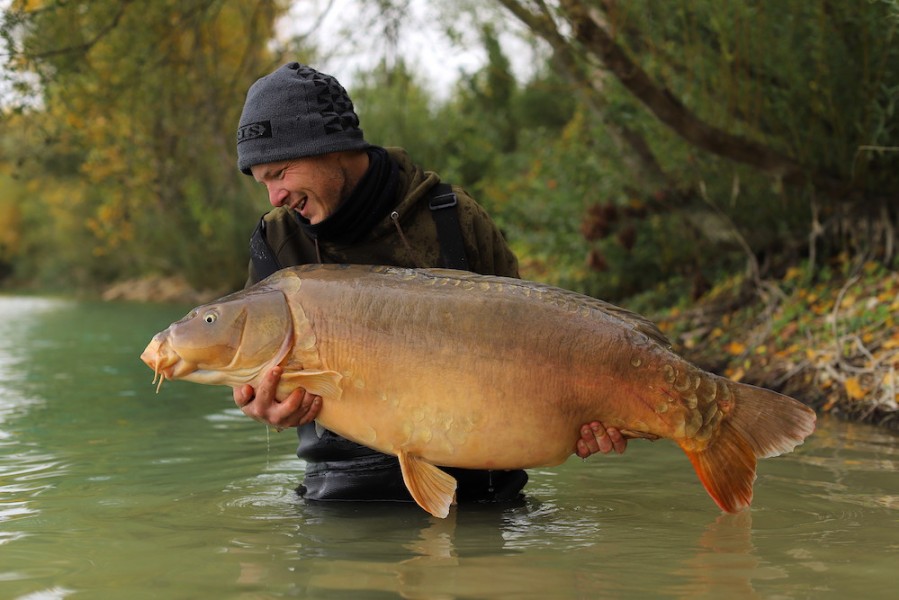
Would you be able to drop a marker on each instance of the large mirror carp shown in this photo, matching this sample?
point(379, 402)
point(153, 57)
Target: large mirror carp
point(454, 369)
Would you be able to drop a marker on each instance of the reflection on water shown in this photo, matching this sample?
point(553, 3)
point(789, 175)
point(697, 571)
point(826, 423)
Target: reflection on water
point(108, 490)
point(24, 468)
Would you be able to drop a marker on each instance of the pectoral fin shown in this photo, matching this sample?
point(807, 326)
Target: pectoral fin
point(322, 383)
point(434, 490)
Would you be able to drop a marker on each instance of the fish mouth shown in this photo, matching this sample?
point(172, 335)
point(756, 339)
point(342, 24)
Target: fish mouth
point(165, 362)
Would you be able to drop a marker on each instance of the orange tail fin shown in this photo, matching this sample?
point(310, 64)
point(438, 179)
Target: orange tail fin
point(762, 424)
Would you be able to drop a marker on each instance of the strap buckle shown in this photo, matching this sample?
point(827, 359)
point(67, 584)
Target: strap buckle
point(443, 201)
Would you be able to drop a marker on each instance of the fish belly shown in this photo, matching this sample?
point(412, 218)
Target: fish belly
point(465, 377)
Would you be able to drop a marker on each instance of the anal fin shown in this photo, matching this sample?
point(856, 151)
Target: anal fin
point(433, 489)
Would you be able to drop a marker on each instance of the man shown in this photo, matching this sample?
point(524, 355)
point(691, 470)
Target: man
point(338, 199)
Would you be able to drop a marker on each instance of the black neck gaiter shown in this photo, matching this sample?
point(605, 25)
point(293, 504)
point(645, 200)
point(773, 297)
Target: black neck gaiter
point(368, 204)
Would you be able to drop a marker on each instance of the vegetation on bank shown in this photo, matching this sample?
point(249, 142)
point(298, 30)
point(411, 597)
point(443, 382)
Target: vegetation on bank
point(833, 343)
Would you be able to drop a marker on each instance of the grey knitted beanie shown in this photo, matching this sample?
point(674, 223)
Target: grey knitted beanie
point(295, 112)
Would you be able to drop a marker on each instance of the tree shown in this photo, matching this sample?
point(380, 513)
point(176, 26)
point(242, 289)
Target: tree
point(802, 93)
point(132, 133)
point(396, 110)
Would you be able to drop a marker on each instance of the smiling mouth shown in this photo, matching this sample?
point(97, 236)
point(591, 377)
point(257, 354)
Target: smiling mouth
point(299, 206)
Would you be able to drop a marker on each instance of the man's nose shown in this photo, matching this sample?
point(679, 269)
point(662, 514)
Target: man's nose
point(276, 195)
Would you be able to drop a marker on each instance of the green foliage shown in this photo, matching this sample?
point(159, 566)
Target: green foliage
point(133, 137)
point(815, 82)
point(395, 110)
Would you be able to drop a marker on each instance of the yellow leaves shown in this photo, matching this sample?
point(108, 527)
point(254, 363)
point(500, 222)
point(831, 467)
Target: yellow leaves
point(848, 301)
point(10, 227)
point(794, 273)
point(854, 389)
point(75, 120)
point(889, 379)
point(872, 267)
point(792, 349)
point(735, 348)
point(819, 308)
point(735, 375)
point(111, 226)
point(12, 197)
point(33, 5)
point(105, 163)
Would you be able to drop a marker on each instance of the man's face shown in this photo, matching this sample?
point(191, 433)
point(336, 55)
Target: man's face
point(313, 186)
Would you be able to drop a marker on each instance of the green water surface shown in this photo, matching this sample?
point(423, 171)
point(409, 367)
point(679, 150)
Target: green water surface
point(108, 490)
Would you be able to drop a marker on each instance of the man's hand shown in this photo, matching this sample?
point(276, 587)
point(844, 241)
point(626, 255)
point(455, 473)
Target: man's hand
point(299, 408)
point(596, 438)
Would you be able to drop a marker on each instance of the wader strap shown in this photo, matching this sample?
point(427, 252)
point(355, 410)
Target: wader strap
point(261, 254)
point(443, 205)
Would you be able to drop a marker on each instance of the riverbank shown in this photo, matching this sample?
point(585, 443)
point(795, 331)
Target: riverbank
point(832, 343)
point(173, 289)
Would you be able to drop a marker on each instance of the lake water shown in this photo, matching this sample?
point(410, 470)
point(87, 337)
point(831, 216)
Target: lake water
point(108, 490)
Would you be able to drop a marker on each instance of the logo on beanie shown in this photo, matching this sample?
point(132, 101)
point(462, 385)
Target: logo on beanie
point(251, 131)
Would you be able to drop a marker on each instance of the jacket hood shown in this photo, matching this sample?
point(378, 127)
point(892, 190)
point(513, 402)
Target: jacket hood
point(414, 184)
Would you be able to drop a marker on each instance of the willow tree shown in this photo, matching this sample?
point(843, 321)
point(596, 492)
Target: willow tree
point(794, 97)
point(127, 142)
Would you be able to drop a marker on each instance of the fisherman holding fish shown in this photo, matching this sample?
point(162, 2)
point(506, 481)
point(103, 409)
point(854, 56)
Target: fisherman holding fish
point(338, 199)
point(454, 381)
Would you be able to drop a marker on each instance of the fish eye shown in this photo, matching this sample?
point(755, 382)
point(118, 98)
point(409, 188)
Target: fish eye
point(210, 317)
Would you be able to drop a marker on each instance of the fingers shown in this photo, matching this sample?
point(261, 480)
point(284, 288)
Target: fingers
point(588, 443)
point(269, 385)
point(595, 437)
point(243, 395)
point(299, 408)
point(619, 442)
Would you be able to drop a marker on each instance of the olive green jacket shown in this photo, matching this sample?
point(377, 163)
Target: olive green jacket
point(407, 238)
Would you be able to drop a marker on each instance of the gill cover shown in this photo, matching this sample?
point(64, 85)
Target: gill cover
point(240, 332)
